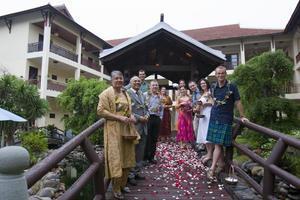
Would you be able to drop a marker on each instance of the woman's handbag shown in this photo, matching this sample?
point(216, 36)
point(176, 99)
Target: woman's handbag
point(232, 177)
point(132, 133)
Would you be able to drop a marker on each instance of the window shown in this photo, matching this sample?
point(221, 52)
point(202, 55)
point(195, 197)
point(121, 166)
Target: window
point(33, 73)
point(232, 61)
point(52, 115)
point(41, 38)
point(66, 115)
point(66, 80)
point(54, 77)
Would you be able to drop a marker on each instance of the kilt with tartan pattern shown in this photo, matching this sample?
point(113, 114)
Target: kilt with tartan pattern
point(219, 133)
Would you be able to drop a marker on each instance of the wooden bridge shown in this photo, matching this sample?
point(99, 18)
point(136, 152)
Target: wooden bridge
point(178, 174)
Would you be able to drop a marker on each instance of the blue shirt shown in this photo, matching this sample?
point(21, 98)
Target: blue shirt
point(154, 104)
point(195, 96)
point(224, 98)
point(144, 87)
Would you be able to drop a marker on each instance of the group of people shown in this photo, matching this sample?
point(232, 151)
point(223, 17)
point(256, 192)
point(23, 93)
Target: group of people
point(138, 114)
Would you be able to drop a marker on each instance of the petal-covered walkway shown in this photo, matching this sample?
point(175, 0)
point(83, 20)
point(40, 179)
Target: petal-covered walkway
point(178, 174)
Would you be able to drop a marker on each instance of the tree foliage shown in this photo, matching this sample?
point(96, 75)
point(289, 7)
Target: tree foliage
point(80, 98)
point(21, 98)
point(261, 82)
point(35, 142)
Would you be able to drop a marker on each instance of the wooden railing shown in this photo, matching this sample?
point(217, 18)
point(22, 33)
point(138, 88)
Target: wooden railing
point(51, 84)
point(91, 64)
point(63, 52)
point(270, 164)
point(95, 171)
point(56, 86)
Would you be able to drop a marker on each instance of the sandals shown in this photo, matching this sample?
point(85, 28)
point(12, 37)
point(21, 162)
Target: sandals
point(118, 195)
point(210, 174)
point(204, 160)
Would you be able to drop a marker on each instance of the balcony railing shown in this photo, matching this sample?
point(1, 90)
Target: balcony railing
point(51, 84)
point(38, 46)
point(291, 88)
point(229, 65)
point(63, 52)
point(56, 86)
point(35, 47)
point(91, 64)
point(36, 82)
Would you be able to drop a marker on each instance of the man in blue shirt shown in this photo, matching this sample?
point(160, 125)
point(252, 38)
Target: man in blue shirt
point(225, 95)
point(153, 101)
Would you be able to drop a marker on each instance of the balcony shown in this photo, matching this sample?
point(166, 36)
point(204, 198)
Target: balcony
point(91, 64)
point(35, 47)
point(56, 86)
point(63, 52)
point(229, 65)
point(38, 46)
point(51, 85)
point(292, 88)
point(292, 91)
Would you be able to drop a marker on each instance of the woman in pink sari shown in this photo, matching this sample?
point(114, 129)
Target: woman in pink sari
point(185, 119)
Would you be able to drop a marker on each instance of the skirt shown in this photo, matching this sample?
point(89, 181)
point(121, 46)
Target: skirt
point(219, 133)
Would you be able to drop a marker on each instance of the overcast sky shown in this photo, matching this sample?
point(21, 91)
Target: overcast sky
point(112, 19)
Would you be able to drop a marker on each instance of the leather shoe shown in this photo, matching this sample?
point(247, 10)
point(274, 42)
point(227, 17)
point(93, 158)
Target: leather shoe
point(140, 177)
point(132, 182)
point(126, 190)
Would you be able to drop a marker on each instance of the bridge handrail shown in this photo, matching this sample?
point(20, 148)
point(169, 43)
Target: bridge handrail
point(269, 164)
point(95, 169)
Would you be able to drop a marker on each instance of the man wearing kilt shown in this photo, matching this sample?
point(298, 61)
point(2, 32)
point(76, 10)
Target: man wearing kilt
point(225, 95)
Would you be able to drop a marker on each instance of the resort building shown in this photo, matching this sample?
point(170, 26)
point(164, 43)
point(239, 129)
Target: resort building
point(46, 47)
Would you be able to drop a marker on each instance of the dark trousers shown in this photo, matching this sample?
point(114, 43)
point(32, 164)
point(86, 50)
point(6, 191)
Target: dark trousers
point(153, 129)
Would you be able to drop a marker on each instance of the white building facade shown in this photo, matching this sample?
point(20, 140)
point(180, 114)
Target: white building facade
point(46, 47)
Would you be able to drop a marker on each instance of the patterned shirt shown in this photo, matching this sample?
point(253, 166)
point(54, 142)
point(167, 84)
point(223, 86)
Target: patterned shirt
point(154, 104)
point(144, 87)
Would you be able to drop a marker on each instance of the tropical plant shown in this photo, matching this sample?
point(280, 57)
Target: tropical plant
point(35, 142)
point(21, 98)
point(80, 98)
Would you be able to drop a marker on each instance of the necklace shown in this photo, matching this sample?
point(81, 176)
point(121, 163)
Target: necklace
point(226, 96)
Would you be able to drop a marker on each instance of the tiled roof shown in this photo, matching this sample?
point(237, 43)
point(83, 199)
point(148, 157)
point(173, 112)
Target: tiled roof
point(226, 32)
point(217, 32)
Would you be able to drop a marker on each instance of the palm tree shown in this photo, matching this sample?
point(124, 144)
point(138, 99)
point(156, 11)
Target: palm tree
point(19, 97)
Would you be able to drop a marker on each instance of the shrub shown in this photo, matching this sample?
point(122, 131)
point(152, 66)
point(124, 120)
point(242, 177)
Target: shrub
point(35, 143)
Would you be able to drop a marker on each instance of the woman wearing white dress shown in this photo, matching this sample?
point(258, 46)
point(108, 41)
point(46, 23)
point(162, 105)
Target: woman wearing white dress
point(206, 102)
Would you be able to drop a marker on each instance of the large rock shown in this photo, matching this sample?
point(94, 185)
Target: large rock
point(52, 176)
point(46, 192)
point(54, 183)
point(257, 171)
point(248, 165)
